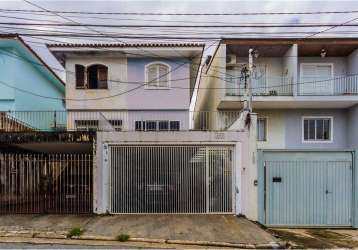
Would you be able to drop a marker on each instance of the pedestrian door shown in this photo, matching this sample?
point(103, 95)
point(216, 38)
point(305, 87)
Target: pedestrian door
point(309, 189)
point(171, 179)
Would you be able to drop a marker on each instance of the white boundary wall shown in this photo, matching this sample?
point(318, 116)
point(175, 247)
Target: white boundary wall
point(243, 189)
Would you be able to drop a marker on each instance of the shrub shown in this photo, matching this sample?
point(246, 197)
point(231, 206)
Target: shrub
point(123, 237)
point(76, 231)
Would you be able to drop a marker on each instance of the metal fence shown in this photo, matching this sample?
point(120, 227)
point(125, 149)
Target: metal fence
point(54, 183)
point(171, 179)
point(339, 85)
point(15, 121)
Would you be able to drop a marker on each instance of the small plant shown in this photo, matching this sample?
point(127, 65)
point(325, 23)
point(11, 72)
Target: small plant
point(123, 237)
point(76, 231)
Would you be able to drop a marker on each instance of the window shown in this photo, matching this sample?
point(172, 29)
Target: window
point(157, 75)
point(174, 125)
point(116, 124)
point(157, 125)
point(92, 77)
point(261, 129)
point(163, 125)
point(86, 125)
point(317, 129)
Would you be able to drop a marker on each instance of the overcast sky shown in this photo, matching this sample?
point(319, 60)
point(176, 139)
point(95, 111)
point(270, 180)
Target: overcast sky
point(177, 6)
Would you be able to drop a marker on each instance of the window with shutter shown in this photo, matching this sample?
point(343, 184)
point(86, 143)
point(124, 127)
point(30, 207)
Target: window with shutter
point(102, 76)
point(80, 76)
point(158, 75)
point(97, 76)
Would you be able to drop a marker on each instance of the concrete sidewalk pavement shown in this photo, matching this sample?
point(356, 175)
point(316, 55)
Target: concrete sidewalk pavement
point(186, 229)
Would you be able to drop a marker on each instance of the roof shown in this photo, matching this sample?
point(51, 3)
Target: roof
point(32, 52)
point(124, 45)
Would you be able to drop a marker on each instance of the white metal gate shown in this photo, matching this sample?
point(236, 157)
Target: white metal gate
point(171, 179)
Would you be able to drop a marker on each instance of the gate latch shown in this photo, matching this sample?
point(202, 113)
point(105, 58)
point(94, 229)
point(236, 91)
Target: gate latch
point(276, 179)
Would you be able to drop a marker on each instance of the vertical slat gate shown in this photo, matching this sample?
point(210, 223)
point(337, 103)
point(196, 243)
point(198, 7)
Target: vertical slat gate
point(39, 183)
point(171, 179)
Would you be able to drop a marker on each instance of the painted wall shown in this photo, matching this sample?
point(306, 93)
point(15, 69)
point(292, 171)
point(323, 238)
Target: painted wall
point(290, 65)
point(117, 74)
point(353, 62)
point(121, 71)
point(293, 131)
point(20, 69)
point(177, 97)
point(275, 129)
point(353, 127)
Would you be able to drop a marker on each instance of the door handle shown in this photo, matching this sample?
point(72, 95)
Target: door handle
point(327, 192)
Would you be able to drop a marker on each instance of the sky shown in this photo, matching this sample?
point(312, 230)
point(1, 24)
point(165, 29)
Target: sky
point(170, 6)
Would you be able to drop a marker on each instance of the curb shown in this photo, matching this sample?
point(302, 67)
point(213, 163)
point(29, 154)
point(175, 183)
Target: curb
point(62, 235)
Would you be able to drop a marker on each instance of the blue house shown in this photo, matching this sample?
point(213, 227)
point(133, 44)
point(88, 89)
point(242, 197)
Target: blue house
point(28, 85)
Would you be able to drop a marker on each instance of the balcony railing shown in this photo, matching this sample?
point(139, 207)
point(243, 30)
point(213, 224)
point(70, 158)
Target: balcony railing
point(20, 121)
point(264, 86)
point(338, 85)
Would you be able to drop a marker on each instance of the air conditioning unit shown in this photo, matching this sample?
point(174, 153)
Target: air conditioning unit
point(231, 59)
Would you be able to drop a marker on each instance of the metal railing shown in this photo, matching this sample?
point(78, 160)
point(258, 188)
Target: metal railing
point(263, 86)
point(338, 85)
point(21, 121)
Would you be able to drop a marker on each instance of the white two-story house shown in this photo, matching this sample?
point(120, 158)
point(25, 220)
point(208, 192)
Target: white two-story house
point(143, 87)
point(305, 94)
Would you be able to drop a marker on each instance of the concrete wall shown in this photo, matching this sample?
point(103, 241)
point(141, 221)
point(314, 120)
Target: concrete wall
point(126, 74)
point(290, 65)
point(353, 63)
point(284, 128)
point(275, 129)
point(244, 203)
point(352, 131)
point(23, 75)
point(293, 131)
point(176, 98)
point(209, 99)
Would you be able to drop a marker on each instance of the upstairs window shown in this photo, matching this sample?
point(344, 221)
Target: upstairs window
point(92, 77)
point(157, 75)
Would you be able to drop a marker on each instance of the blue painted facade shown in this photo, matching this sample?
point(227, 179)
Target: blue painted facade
point(21, 69)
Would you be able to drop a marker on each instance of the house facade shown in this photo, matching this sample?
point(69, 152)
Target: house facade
point(153, 154)
point(25, 79)
point(133, 87)
point(305, 94)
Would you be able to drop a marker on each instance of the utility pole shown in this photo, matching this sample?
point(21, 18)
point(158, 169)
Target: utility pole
point(249, 85)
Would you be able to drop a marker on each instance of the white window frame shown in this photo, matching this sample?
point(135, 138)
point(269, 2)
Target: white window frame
point(149, 86)
point(317, 64)
point(316, 141)
point(266, 129)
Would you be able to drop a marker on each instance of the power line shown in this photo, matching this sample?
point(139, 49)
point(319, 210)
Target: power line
point(179, 26)
point(184, 14)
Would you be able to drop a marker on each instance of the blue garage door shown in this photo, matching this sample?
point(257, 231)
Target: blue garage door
point(309, 189)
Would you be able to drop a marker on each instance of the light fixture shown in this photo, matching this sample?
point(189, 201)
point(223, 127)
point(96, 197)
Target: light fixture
point(323, 53)
point(255, 53)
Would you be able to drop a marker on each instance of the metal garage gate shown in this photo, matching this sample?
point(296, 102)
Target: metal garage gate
point(171, 179)
point(46, 183)
point(309, 189)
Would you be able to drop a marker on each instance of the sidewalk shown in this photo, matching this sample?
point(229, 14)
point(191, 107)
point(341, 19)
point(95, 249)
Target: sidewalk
point(209, 230)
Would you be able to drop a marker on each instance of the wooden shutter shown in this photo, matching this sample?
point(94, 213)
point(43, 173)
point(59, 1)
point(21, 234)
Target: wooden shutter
point(163, 76)
point(80, 76)
point(102, 72)
point(152, 75)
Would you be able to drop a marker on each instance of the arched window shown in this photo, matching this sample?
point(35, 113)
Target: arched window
point(92, 77)
point(157, 75)
point(97, 75)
